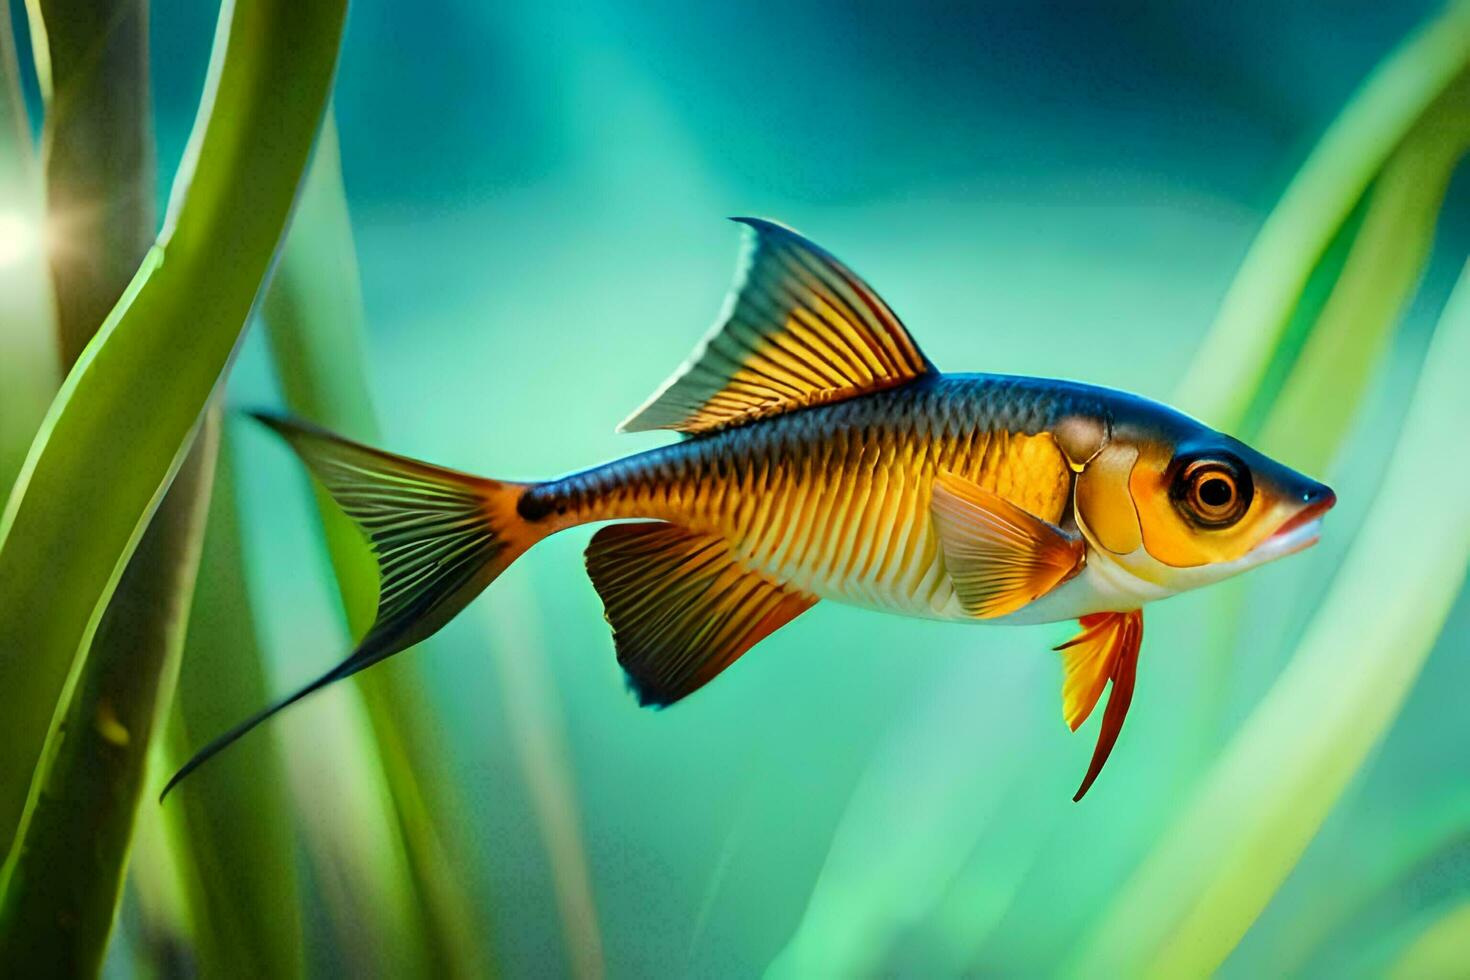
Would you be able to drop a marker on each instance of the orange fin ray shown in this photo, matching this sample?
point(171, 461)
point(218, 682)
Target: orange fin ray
point(680, 607)
point(1106, 650)
point(999, 557)
point(799, 329)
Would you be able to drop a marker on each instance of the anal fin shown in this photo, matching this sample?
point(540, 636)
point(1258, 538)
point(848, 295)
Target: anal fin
point(999, 557)
point(680, 607)
point(1106, 650)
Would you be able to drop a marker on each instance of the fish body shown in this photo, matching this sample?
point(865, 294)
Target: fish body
point(826, 458)
point(835, 500)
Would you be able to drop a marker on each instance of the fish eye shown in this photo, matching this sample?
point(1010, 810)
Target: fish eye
point(1213, 491)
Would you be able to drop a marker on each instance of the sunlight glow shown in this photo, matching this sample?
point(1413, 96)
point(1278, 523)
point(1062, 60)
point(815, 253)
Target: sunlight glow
point(18, 238)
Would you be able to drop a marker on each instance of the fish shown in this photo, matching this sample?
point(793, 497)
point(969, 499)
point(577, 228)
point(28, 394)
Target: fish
point(824, 457)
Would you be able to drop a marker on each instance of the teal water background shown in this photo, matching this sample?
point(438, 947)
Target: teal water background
point(1054, 189)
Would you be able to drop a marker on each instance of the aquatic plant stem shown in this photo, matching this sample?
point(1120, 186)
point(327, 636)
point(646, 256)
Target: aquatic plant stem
point(122, 423)
point(1377, 236)
point(98, 156)
point(63, 874)
point(61, 882)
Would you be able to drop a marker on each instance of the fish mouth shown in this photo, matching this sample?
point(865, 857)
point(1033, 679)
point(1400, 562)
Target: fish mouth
point(1302, 530)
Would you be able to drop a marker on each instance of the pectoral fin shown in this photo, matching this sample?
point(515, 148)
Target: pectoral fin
point(999, 556)
point(1105, 650)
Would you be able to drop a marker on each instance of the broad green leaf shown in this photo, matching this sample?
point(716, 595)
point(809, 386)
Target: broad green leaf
point(313, 315)
point(29, 372)
point(1319, 398)
point(1190, 902)
point(121, 425)
point(60, 884)
point(1227, 372)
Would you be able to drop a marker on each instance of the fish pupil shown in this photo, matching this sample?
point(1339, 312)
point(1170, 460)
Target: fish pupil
point(1215, 492)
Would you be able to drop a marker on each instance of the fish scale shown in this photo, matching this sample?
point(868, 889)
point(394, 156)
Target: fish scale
point(790, 494)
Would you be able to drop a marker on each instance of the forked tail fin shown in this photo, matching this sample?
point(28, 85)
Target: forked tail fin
point(439, 536)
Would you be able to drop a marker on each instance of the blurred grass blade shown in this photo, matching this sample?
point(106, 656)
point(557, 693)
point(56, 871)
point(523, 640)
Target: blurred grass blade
point(538, 732)
point(29, 372)
point(1351, 923)
point(231, 824)
point(1319, 398)
point(1214, 871)
point(60, 885)
point(874, 886)
point(1441, 950)
point(313, 315)
point(125, 415)
point(1227, 373)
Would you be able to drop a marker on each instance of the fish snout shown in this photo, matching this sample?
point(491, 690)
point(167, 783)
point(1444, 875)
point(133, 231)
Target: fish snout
point(1317, 500)
point(1301, 530)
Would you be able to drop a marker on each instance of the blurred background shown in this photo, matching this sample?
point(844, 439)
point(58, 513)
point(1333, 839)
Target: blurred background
point(537, 194)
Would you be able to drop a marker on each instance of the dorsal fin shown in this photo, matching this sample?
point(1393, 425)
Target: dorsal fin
point(799, 329)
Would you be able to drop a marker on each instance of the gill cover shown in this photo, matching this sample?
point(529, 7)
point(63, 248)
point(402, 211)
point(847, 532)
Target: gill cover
point(1106, 513)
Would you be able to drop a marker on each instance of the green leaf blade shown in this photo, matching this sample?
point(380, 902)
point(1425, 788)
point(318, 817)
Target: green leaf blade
point(1236, 356)
point(118, 430)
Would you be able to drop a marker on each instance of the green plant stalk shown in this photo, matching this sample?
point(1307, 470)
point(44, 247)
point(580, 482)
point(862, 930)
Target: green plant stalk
point(62, 881)
point(155, 917)
point(97, 150)
point(60, 885)
point(313, 316)
point(62, 877)
point(1318, 402)
point(231, 823)
point(29, 372)
point(1262, 803)
point(119, 429)
point(1315, 293)
point(1236, 356)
